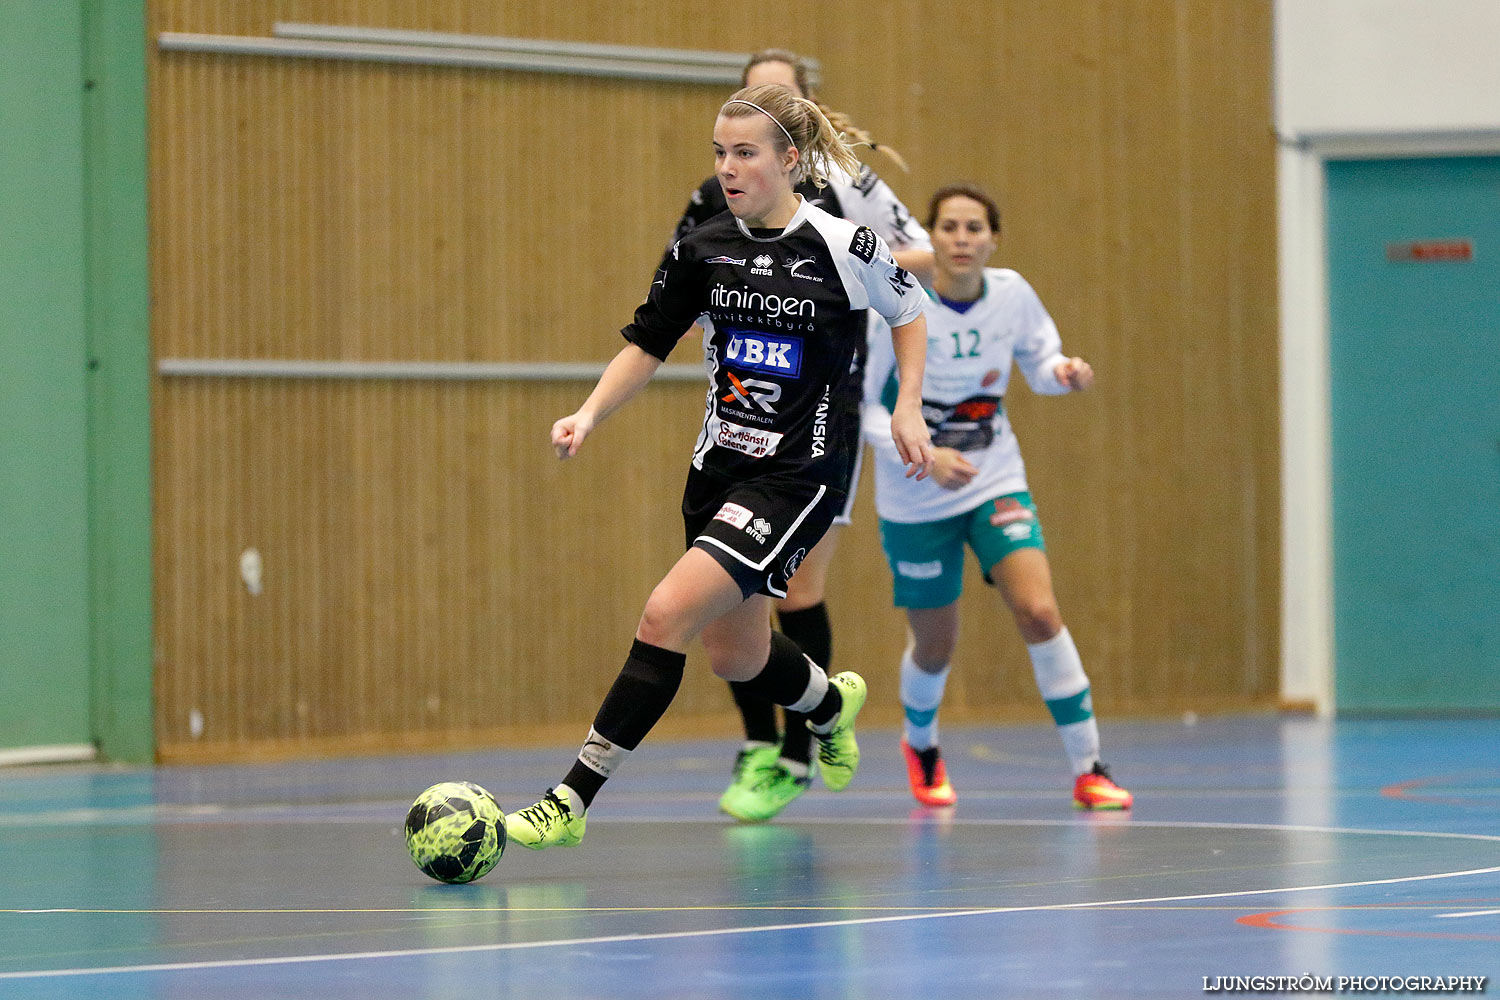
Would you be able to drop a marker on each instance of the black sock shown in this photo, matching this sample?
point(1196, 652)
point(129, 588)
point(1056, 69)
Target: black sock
point(758, 714)
point(809, 629)
point(786, 677)
point(828, 709)
point(585, 781)
point(638, 699)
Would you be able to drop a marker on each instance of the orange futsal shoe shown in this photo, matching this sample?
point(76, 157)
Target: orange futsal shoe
point(928, 776)
point(1096, 790)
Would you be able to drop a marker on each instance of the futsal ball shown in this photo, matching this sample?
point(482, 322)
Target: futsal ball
point(455, 831)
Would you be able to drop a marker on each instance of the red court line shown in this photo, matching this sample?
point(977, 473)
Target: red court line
point(1267, 920)
point(1407, 790)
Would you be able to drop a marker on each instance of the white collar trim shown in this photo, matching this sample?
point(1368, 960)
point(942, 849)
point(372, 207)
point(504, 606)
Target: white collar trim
point(798, 217)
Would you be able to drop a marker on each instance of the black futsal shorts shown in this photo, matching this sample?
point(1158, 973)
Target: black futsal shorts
point(759, 530)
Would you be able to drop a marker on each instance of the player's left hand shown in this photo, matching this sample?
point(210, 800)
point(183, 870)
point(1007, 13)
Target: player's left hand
point(951, 470)
point(1075, 373)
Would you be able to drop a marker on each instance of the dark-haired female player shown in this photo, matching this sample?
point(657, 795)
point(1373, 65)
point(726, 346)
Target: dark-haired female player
point(981, 320)
point(773, 766)
point(781, 289)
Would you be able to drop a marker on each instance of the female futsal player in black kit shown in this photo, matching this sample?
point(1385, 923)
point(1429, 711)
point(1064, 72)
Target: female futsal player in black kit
point(774, 765)
point(781, 289)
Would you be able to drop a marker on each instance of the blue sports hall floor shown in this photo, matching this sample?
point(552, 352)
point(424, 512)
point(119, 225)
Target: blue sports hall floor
point(1352, 852)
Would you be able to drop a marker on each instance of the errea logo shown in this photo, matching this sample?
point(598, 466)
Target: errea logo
point(762, 265)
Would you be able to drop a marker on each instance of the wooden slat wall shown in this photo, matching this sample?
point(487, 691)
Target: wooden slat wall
point(433, 576)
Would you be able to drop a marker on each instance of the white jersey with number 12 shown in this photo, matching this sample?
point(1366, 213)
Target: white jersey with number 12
point(969, 358)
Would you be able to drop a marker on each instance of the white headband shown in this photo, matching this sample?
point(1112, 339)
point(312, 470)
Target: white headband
point(768, 114)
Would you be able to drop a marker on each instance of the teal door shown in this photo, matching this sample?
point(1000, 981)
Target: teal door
point(1414, 353)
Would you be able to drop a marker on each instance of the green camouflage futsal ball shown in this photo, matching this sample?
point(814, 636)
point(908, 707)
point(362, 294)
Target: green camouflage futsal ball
point(455, 831)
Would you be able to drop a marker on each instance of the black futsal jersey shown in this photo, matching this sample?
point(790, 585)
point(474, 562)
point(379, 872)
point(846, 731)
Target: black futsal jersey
point(783, 314)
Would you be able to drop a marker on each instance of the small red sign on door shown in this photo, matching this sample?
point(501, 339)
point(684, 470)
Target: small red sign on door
point(1430, 250)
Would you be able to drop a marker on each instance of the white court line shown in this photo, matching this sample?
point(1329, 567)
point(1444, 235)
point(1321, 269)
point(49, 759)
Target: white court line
point(1471, 913)
point(1113, 820)
point(359, 812)
point(246, 963)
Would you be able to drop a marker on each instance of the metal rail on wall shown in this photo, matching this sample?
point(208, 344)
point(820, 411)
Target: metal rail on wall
point(499, 43)
point(436, 48)
point(626, 53)
point(432, 48)
point(428, 371)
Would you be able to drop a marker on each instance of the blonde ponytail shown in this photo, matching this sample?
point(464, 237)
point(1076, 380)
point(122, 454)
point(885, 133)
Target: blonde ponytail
point(804, 73)
point(829, 150)
point(859, 136)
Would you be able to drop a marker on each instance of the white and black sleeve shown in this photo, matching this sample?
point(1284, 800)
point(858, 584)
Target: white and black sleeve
point(893, 292)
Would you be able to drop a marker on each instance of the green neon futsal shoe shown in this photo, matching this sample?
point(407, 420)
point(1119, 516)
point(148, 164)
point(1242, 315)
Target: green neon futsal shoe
point(774, 788)
point(552, 822)
point(749, 767)
point(838, 752)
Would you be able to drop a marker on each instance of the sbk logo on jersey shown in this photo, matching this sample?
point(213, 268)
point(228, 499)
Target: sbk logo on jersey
point(752, 392)
point(794, 264)
point(764, 353)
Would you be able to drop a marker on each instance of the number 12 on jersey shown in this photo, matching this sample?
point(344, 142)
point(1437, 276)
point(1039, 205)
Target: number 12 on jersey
point(972, 337)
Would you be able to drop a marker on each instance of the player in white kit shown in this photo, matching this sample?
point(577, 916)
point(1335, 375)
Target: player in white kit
point(980, 320)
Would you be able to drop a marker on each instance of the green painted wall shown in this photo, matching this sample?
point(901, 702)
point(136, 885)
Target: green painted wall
point(74, 424)
point(119, 381)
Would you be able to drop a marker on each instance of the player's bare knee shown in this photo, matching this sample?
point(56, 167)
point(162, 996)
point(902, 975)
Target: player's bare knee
point(1038, 621)
point(663, 622)
point(933, 653)
point(734, 662)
